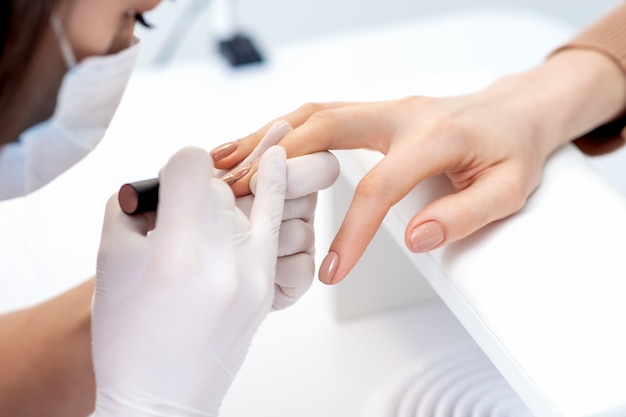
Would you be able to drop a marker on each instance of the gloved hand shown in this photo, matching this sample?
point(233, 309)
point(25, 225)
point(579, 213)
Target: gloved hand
point(306, 175)
point(175, 309)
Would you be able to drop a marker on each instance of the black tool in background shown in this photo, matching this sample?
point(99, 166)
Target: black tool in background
point(240, 50)
point(235, 46)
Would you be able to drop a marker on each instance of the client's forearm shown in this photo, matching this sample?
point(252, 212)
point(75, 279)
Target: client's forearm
point(45, 357)
point(572, 92)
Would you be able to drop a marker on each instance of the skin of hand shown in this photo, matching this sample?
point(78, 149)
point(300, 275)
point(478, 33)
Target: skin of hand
point(491, 144)
point(176, 306)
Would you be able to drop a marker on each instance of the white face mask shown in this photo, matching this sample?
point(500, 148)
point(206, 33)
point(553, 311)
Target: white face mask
point(88, 98)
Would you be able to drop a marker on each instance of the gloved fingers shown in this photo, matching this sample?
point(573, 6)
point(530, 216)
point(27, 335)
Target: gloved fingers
point(220, 230)
point(246, 313)
point(185, 193)
point(245, 203)
point(296, 246)
point(121, 231)
point(256, 254)
point(294, 276)
point(195, 228)
point(298, 208)
point(274, 134)
point(295, 236)
point(267, 211)
point(308, 174)
point(247, 304)
point(253, 298)
point(296, 119)
point(121, 245)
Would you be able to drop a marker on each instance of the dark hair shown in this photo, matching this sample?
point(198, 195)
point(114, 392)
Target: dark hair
point(22, 26)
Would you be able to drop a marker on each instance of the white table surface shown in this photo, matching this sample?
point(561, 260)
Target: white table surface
point(303, 361)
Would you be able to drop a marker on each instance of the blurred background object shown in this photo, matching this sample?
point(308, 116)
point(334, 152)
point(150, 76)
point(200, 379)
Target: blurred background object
point(190, 29)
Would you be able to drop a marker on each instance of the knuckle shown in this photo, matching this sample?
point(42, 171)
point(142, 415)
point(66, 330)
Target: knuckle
point(323, 117)
point(448, 132)
point(373, 187)
point(417, 102)
point(516, 195)
point(295, 236)
point(256, 137)
point(300, 208)
point(320, 114)
point(295, 272)
point(443, 123)
point(310, 108)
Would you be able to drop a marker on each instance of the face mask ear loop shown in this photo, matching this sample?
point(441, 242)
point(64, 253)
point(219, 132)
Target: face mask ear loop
point(64, 44)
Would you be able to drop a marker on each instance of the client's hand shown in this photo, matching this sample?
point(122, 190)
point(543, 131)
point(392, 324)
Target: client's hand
point(176, 306)
point(492, 145)
point(492, 161)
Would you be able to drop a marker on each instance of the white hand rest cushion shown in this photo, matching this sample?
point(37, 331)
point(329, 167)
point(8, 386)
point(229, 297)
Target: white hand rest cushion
point(542, 292)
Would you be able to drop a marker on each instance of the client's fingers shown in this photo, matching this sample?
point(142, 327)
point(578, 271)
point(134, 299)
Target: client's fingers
point(241, 174)
point(306, 174)
point(267, 210)
point(455, 216)
point(230, 154)
point(352, 127)
point(388, 182)
point(273, 135)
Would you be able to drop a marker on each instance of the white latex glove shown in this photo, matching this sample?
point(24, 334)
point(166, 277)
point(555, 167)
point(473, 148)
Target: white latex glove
point(306, 175)
point(175, 310)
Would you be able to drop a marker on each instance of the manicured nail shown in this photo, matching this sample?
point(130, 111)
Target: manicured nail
point(426, 236)
point(224, 150)
point(329, 267)
point(236, 174)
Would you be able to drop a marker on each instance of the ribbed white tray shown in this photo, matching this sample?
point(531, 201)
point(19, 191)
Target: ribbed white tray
point(456, 384)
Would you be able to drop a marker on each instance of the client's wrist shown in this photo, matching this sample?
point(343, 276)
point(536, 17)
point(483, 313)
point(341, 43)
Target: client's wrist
point(571, 93)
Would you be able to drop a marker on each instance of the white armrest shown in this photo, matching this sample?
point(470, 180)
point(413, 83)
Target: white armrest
point(542, 292)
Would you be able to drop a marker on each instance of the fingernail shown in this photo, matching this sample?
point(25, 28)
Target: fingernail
point(329, 267)
point(236, 174)
point(426, 236)
point(224, 150)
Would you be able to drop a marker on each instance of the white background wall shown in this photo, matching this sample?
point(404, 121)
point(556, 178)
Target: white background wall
point(278, 21)
point(310, 17)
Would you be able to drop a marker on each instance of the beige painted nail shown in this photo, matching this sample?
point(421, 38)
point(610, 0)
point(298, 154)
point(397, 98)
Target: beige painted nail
point(236, 174)
point(224, 150)
point(329, 267)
